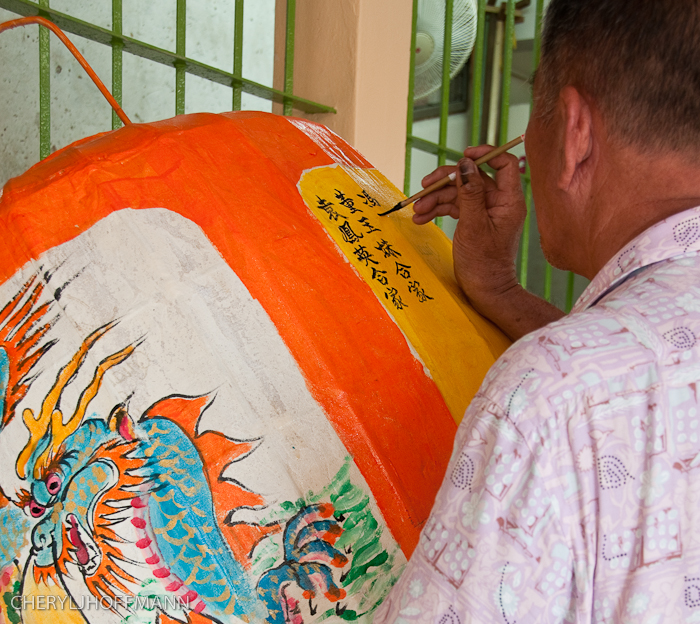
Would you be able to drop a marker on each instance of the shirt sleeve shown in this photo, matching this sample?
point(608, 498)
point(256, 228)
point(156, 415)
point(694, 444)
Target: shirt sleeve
point(493, 549)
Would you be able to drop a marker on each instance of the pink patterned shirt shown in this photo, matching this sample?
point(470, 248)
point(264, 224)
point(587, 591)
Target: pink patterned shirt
point(573, 494)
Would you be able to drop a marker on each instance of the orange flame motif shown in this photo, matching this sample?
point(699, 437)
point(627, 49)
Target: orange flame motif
point(49, 415)
point(120, 476)
point(21, 331)
point(110, 577)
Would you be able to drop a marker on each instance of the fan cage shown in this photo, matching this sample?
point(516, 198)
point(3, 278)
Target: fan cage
point(431, 22)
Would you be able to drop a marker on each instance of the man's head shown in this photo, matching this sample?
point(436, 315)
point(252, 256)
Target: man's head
point(614, 138)
point(639, 60)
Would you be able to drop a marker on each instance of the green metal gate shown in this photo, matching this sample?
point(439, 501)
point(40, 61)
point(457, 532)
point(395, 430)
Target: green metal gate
point(177, 59)
point(534, 272)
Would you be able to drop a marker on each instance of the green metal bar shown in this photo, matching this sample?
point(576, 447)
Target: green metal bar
point(569, 292)
point(537, 51)
point(409, 114)
point(237, 54)
point(548, 282)
point(507, 70)
point(434, 148)
point(44, 87)
point(478, 76)
point(180, 50)
point(525, 240)
point(445, 87)
point(289, 55)
point(144, 50)
point(117, 53)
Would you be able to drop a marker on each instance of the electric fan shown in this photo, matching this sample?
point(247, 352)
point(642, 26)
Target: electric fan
point(430, 40)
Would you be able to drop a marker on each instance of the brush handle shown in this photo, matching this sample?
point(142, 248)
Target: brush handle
point(449, 178)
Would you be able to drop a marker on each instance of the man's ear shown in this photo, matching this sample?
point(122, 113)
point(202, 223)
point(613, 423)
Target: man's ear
point(577, 143)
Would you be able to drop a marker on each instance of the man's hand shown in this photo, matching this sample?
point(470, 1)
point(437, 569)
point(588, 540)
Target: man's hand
point(491, 213)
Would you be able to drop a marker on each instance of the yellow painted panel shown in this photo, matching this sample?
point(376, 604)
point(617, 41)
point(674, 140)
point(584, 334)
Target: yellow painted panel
point(409, 269)
point(47, 603)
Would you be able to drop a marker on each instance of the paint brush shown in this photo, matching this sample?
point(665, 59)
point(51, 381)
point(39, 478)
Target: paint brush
point(449, 178)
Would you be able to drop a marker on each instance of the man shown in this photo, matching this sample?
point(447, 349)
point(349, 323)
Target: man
point(573, 493)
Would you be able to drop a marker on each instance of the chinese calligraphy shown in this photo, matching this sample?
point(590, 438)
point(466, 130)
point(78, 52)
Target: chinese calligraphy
point(363, 255)
point(368, 200)
point(414, 287)
point(393, 295)
point(348, 202)
point(327, 207)
point(387, 249)
point(348, 235)
point(380, 276)
point(371, 251)
point(403, 270)
point(364, 222)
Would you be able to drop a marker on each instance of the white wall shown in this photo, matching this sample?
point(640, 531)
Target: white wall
point(354, 55)
point(79, 110)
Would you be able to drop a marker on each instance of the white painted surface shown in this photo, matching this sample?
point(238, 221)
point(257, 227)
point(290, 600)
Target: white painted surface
point(202, 333)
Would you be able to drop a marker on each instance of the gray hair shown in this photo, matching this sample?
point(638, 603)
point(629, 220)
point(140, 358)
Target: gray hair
point(639, 60)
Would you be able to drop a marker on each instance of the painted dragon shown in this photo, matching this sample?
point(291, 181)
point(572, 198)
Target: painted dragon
point(116, 508)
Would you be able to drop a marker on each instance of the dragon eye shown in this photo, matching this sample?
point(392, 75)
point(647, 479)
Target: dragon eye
point(36, 509)
point(53, 483)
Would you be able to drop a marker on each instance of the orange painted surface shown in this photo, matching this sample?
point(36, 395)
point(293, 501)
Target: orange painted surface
point(235, 175)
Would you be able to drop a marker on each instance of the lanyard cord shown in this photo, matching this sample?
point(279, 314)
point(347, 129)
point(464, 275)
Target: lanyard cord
point(42, 21)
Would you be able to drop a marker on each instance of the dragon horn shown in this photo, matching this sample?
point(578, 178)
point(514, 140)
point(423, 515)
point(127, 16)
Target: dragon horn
point(39, 425)
point(59, 431)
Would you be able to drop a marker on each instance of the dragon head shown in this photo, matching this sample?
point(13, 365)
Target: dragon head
point(70, 467)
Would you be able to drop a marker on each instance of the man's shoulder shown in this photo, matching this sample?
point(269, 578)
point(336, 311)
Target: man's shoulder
point(645, 328)
point(556, 369)
point(567, 346)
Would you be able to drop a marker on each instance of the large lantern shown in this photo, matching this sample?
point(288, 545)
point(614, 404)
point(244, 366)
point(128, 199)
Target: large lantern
point(229, 388)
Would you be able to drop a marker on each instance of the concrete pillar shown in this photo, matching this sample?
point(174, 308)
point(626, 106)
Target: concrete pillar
point(354, 55)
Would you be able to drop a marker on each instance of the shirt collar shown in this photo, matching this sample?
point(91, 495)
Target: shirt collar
point(678, 235)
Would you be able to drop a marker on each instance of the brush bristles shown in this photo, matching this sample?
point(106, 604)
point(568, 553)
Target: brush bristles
point(394, 209)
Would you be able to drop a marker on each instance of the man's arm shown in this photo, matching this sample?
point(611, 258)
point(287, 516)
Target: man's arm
point(490, 215)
